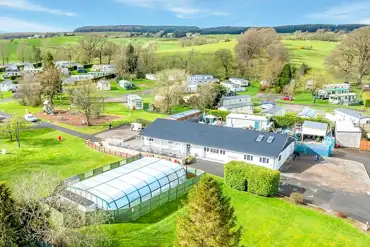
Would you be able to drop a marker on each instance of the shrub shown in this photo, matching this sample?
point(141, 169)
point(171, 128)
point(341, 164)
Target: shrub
point(263, 88)
point(252, 178)
point(297, 197)
point(341, 215)
point(218, 113)
point(366, 99)
point(277, 89)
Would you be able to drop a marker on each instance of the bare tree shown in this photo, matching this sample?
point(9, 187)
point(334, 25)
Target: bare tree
point(185, 60)
point(110, 50)
point(100, 45)
point(4, 52)
point(23, 52)
point(272, 71)
point(225, 58)
point(353, 54)
point(85, 98)
point(29, 91)
point(51, 82)
point(88, 46)
point(276, 50)
point(170, 86)
point(319, 79)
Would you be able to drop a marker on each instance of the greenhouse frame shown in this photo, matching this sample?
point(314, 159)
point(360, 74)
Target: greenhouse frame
point(131, 184)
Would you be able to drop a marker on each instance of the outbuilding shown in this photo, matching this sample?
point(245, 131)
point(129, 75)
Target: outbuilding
point(314, 131)
point(244, 121)
point(125, 84)
point(308, 113)
point(6, 86)
point(219, 144)
point(274, 111)
point(135, 102)
point(103, 85)
point(347, 135)
point(237, 104)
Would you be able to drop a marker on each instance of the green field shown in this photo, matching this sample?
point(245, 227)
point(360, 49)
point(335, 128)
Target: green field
point(40, 149)
point(265, 221)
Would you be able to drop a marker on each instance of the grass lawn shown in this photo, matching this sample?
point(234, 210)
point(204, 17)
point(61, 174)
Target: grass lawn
point(6, 95)
point(117, 91)
point(252, 90)
point(265, 221)
point(13, 107)
point(40, 149)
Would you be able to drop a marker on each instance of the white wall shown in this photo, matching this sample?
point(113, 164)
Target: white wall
point(245, 123)
point(288, 151)
point(348, 139)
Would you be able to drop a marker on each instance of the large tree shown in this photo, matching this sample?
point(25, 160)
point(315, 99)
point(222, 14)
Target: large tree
point(127, 60)
point(88, 47)
point(29, 91)
point(225, 58)
point(50, 79)
point(4, 52)
point(208, 219)
point(170, 88)
point(23, 52)
point(11, 127)
point(100, 46)
point(110, 50)
point(353, 54)
point(86, 99)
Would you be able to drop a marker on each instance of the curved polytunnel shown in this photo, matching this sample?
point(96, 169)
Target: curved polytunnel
point(131, 184)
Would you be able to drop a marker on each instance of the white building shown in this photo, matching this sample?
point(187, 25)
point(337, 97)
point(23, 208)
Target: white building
point(218, 144)
point(343, 99)
point(125, 84)
point(103, 68)
point(6, 86)
point(100, 73)
point(308, 113)
point(103, 85)
point(347, 114)
point(274, 111)
point(29, 69)
point(76, 78)
point(341, 85)
point(240, 82)
point(232, 87)
point(201, 79)
point(313, 130)
point(237, 104)
point(347, 135)
point(65, 71)
point(135, 102)
point(244, 121)
point(9, 74)
point(150, 77)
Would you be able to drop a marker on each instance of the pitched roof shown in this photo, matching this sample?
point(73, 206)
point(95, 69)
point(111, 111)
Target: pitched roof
point(308, 112)
point(238, 140)
point(315, 125)
point(272, 110)
point(350, 112)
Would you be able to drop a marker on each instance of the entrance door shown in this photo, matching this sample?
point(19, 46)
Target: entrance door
point(257, 125)
point(188, 146)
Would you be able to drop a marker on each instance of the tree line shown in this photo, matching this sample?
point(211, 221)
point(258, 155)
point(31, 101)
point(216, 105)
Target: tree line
point(215, 30)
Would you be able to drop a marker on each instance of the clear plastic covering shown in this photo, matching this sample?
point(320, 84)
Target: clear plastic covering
point(131, 184)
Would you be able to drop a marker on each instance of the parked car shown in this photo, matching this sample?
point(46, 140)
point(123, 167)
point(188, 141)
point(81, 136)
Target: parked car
point(288, 98)
point(30, 118)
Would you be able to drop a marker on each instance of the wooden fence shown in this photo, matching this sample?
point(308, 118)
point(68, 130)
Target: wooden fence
point(364, 145)
point(106, 150)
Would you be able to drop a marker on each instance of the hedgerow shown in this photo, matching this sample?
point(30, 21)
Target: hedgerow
point(252, 178)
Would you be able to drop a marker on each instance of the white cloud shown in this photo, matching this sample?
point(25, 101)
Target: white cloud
point(184, 9)
point(29, 6)
point(8, 24)
point(351, 12)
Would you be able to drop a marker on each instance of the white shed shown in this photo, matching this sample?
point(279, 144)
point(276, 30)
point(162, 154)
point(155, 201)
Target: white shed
point(103, 85)
point(347, 135)
point(135, 102)
point(312, 130)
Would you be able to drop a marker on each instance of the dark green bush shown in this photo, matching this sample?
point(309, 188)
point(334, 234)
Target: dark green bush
point(252, 178)
point(366, 99)
point(218, 113)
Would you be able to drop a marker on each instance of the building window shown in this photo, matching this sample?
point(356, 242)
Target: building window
point(150, 139)
point(264, 160)
point(205, 149)
point(279, 157)
point(248, 157)
point(170, 142)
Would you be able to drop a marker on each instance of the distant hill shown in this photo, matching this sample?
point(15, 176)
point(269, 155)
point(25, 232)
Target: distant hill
point(215, 30)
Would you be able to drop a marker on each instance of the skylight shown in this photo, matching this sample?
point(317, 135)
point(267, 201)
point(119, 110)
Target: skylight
point(259, 138)
point(270, 139)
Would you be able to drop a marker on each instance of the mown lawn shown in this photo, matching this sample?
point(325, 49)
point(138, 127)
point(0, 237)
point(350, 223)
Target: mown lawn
point(6, 95)
point(265, 222)
point(117, 91)
point(40, 149)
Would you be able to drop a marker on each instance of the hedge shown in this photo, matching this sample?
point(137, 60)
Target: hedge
point(290, 120)
point(218, 113)
point(252, 178)
point(366, 99)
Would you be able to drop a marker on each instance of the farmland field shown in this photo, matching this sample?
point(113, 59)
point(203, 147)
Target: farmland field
point(314, 57)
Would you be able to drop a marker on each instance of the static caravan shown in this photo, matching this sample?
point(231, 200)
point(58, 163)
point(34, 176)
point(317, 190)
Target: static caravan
point(235, 120)
point(342, 99)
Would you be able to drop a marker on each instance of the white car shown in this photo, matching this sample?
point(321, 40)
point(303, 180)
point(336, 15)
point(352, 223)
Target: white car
point(30, 118)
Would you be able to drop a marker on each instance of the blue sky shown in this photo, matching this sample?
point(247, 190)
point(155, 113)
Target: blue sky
point(66, 15)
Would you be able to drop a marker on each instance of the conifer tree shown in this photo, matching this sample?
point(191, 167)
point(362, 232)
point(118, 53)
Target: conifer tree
point(208, 219)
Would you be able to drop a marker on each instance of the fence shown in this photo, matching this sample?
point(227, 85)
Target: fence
point(135, 212)
point(100, 170)
point(106, 150)
point(364, 145)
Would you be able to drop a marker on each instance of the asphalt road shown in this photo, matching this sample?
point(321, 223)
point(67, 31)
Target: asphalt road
point(356, 206)
point(356, 155)
point(56, 127)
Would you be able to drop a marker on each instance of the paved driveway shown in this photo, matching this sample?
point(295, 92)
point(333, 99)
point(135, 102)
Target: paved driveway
point(354, 205)
point(356, 155)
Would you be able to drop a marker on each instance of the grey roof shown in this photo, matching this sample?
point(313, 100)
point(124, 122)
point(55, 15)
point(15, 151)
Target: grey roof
point(350, 112)
point(237, 97)
point(238, 140)
point(6, 82)
point(315, 125)
point(308, 112)
point(184, 114)
point(233, 106)
point(272, 110)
